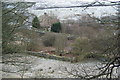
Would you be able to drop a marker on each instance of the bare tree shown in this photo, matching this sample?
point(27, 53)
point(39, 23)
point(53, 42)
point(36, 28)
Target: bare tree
point(13, 18)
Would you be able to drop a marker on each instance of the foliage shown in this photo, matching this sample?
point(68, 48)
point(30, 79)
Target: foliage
point(97, 48)
point(48, 39)
point(14, 15)
point(36, 23)
point(31, 39)
point(13, 48)
point(34, 46)
point(81, 47)
point(56, 27)
point(102, 44)
point(60, 42)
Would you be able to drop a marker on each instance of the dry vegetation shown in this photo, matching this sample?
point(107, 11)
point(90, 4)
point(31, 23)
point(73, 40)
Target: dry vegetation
point(86, 38)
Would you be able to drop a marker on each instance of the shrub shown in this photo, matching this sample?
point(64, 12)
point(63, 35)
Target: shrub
point(81, 48)
point(60, 42)
point(13, 48)
point(56, 27)
point(34, 46)
point(81, 45)
point(48, 39)
point(36, 23)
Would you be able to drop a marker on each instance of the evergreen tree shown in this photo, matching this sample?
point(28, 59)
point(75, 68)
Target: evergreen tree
point(56, 27)
point(35, 23)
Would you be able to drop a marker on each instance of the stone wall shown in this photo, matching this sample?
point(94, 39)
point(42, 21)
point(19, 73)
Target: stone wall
point(50, 56)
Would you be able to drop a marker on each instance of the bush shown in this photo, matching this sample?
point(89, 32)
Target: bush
point(96, 56)
point(13, 48)
point(36, 23)
point(48, 40)
point(34, 46)
point(56, 27)
point(81, 45)
point(60, 42)
point(81, 48)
